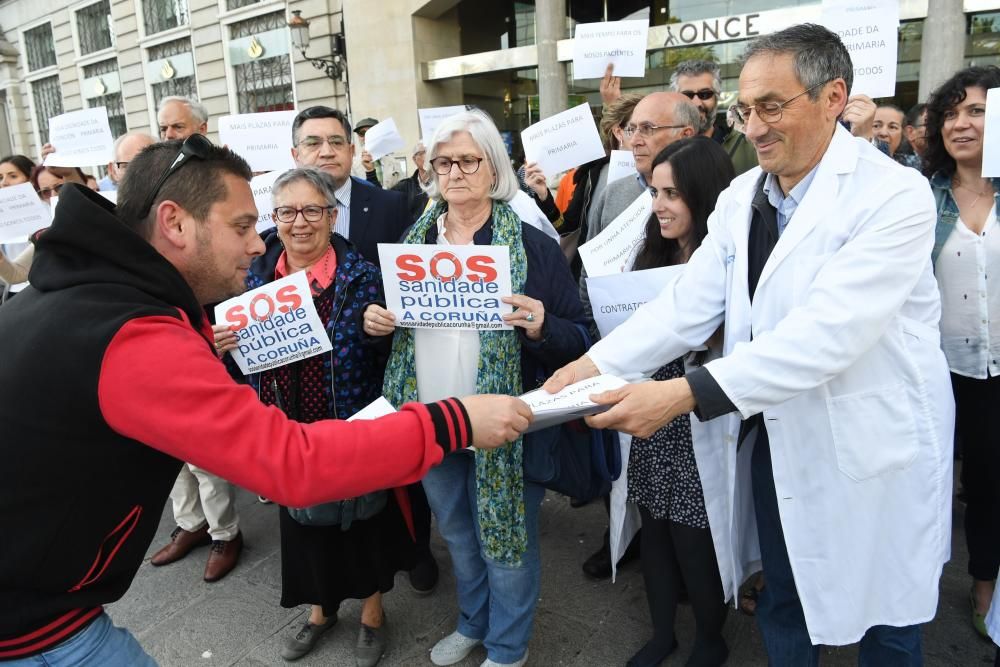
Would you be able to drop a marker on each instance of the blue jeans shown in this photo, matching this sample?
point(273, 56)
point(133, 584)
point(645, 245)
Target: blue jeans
point(779, 612)
point(100, 643)
point(496, 602)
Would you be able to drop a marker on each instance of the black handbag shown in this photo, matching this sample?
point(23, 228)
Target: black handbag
point(341, 512)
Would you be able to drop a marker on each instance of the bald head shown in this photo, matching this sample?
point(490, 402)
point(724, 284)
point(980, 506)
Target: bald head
point(127, 147)
point(660, 119)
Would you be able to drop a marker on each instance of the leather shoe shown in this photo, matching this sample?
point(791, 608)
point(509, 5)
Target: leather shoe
point(181, 543)
point(371, 645)
point(424, 577)
point(304, 641)
point(223, 557)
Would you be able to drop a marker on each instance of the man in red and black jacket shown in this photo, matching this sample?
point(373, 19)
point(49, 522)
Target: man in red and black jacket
point(110, 381)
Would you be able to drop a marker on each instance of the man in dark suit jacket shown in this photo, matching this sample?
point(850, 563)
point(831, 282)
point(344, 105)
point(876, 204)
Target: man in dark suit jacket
point(321, 138)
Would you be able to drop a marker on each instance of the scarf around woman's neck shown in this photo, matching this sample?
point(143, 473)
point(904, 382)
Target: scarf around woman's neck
point(499, 475)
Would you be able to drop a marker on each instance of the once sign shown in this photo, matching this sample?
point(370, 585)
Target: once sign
point(722, 29)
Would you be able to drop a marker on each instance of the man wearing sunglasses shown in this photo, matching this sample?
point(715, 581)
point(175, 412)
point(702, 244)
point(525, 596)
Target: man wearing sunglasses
point(112, 380)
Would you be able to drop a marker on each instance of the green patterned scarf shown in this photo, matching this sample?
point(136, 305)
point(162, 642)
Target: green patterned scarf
point(499, 475)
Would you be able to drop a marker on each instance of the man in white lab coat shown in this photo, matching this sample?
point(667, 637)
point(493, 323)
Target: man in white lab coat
point(834, 394)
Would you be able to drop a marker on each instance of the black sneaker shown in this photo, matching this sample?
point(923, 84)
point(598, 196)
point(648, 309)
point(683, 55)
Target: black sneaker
point(303, 641)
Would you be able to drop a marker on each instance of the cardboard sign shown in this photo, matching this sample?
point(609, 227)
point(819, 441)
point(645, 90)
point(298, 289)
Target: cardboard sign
point(869, 30)
point(432, 117)
point(622, 164)
point(446, 287)
point(383, 138)
point(275, 324)
point(261, 187)
point(991, 135)
point(81, 139)
point(563, 141)
point(262, 139)
point(571, 403)
point(612, 250)
point(613, 298)
point(22, 213)
point(621, 43)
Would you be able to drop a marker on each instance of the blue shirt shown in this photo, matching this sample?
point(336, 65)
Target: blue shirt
point(343, 224)
point(786, 205)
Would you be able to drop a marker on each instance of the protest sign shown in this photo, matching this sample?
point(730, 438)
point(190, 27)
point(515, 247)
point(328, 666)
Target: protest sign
point(991, 135)
point(571, 403)
point(432, 117)
point(110, 195)
point(81, 139)
point(262, 139)
point(527, 210)
point(383, 138)
point(261, 188)
point(869, 30)
point(21, 212)
point(563, 141)
point(612, 250)
point(446, 287)
point(621, 43)
point(275, 324)
point(622, 164)
point(380, 407)
point(613, 298)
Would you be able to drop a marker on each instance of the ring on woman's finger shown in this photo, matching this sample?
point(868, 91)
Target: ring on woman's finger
point(530, 317)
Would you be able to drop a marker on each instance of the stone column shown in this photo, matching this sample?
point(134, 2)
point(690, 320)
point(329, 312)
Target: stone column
point(942, 51)
point(550, 27)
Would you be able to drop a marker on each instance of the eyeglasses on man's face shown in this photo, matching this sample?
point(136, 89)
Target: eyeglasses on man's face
point(647, 129)
point(196, 146)
point(769, 112)
point(468, 164)
point(703, 94)
point(310, 213)
point(311, 143)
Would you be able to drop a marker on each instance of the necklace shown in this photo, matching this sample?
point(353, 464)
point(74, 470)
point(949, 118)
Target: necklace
point(958, 184)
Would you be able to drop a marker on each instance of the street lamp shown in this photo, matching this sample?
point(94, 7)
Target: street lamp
point(334, 67)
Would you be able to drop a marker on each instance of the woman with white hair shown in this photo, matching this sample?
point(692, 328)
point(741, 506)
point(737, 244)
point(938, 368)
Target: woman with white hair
point(486, 510)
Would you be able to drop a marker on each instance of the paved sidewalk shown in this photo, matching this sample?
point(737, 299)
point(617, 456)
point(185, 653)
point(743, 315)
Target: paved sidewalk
point(184, 622)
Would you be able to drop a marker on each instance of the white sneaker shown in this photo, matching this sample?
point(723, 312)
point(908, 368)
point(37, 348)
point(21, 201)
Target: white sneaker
point(519, 663)
point(453, 648)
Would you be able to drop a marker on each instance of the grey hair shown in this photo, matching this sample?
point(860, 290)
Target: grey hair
point(696, 68)
point(198, 109)
point(485, 135)
point(820, 56)
point(134, 133)
point(686, 113)
point(321, 181)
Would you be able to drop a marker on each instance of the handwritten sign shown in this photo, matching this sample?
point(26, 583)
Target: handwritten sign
point(621, 43)
point(612, 250)
point(81, 139)
point(21, 212)
point(613, 298)
point(275, 325)
point(991, 135)
point(563, 141)
point(868, 28)
point(432, 117)
point(446, 287)
point(262, 139)
point(571, 403)
point(261, 188)
point(383, 138)
point(622, 164)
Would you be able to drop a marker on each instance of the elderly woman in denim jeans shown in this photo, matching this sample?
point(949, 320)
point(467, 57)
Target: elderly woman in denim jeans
point(486, 511)
point(966, 254)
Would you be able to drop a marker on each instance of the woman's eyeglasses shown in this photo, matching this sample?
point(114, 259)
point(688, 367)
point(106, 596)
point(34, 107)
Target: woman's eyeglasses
point(310, 213)
point(467, 165)
point(195, 146)
point(50, 191)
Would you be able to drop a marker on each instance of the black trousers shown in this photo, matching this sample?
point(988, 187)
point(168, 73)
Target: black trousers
point(975, 424)
point(675, 556)
point(421, 520)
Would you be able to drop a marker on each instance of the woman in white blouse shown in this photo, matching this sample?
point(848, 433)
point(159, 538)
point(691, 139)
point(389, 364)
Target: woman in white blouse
point(967, 265)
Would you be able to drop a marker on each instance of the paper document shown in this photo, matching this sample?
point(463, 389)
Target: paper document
point(377, 408)
point(613, 250)
point(991, 135)
point(869, 30)
point(622, 43)
point(383, 138)
point(22, 213)
point(432, 117)
point(570, 403)
point(622, 164)
point(563, 141)
point(261, 188)
point(613, 298)
point(81, 139)
point(264, 140)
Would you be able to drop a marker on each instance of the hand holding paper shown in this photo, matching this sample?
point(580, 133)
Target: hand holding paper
point(496, 420)
point(569, 403)
point(642, 409)
point(573, 372)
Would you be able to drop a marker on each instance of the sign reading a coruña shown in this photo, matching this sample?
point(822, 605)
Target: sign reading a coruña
point(446, 287)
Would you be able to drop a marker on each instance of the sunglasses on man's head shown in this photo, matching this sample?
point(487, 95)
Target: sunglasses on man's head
point(195, 146)
point(703, 94)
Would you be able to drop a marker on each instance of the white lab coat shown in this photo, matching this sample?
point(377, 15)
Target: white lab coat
point(845, 366)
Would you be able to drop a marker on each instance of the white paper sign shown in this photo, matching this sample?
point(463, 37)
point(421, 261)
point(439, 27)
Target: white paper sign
point(432, 117)
point(563, 141)
point(612, 250)
point(622, 43)
point(275, 324)
point(110, 195)
point(991, 135)
point(261, 187)
point(613, 298)
point(81, 139)
point(383, 138)
point(22, 213)
point(445, 286)
point(262, 139)
point(622, 164)
point(526, 209)
point(869, 30)
point(570, 403)
point(380, 407)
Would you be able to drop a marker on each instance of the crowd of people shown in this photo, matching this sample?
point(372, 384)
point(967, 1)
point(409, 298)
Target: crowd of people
point(827, 351)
